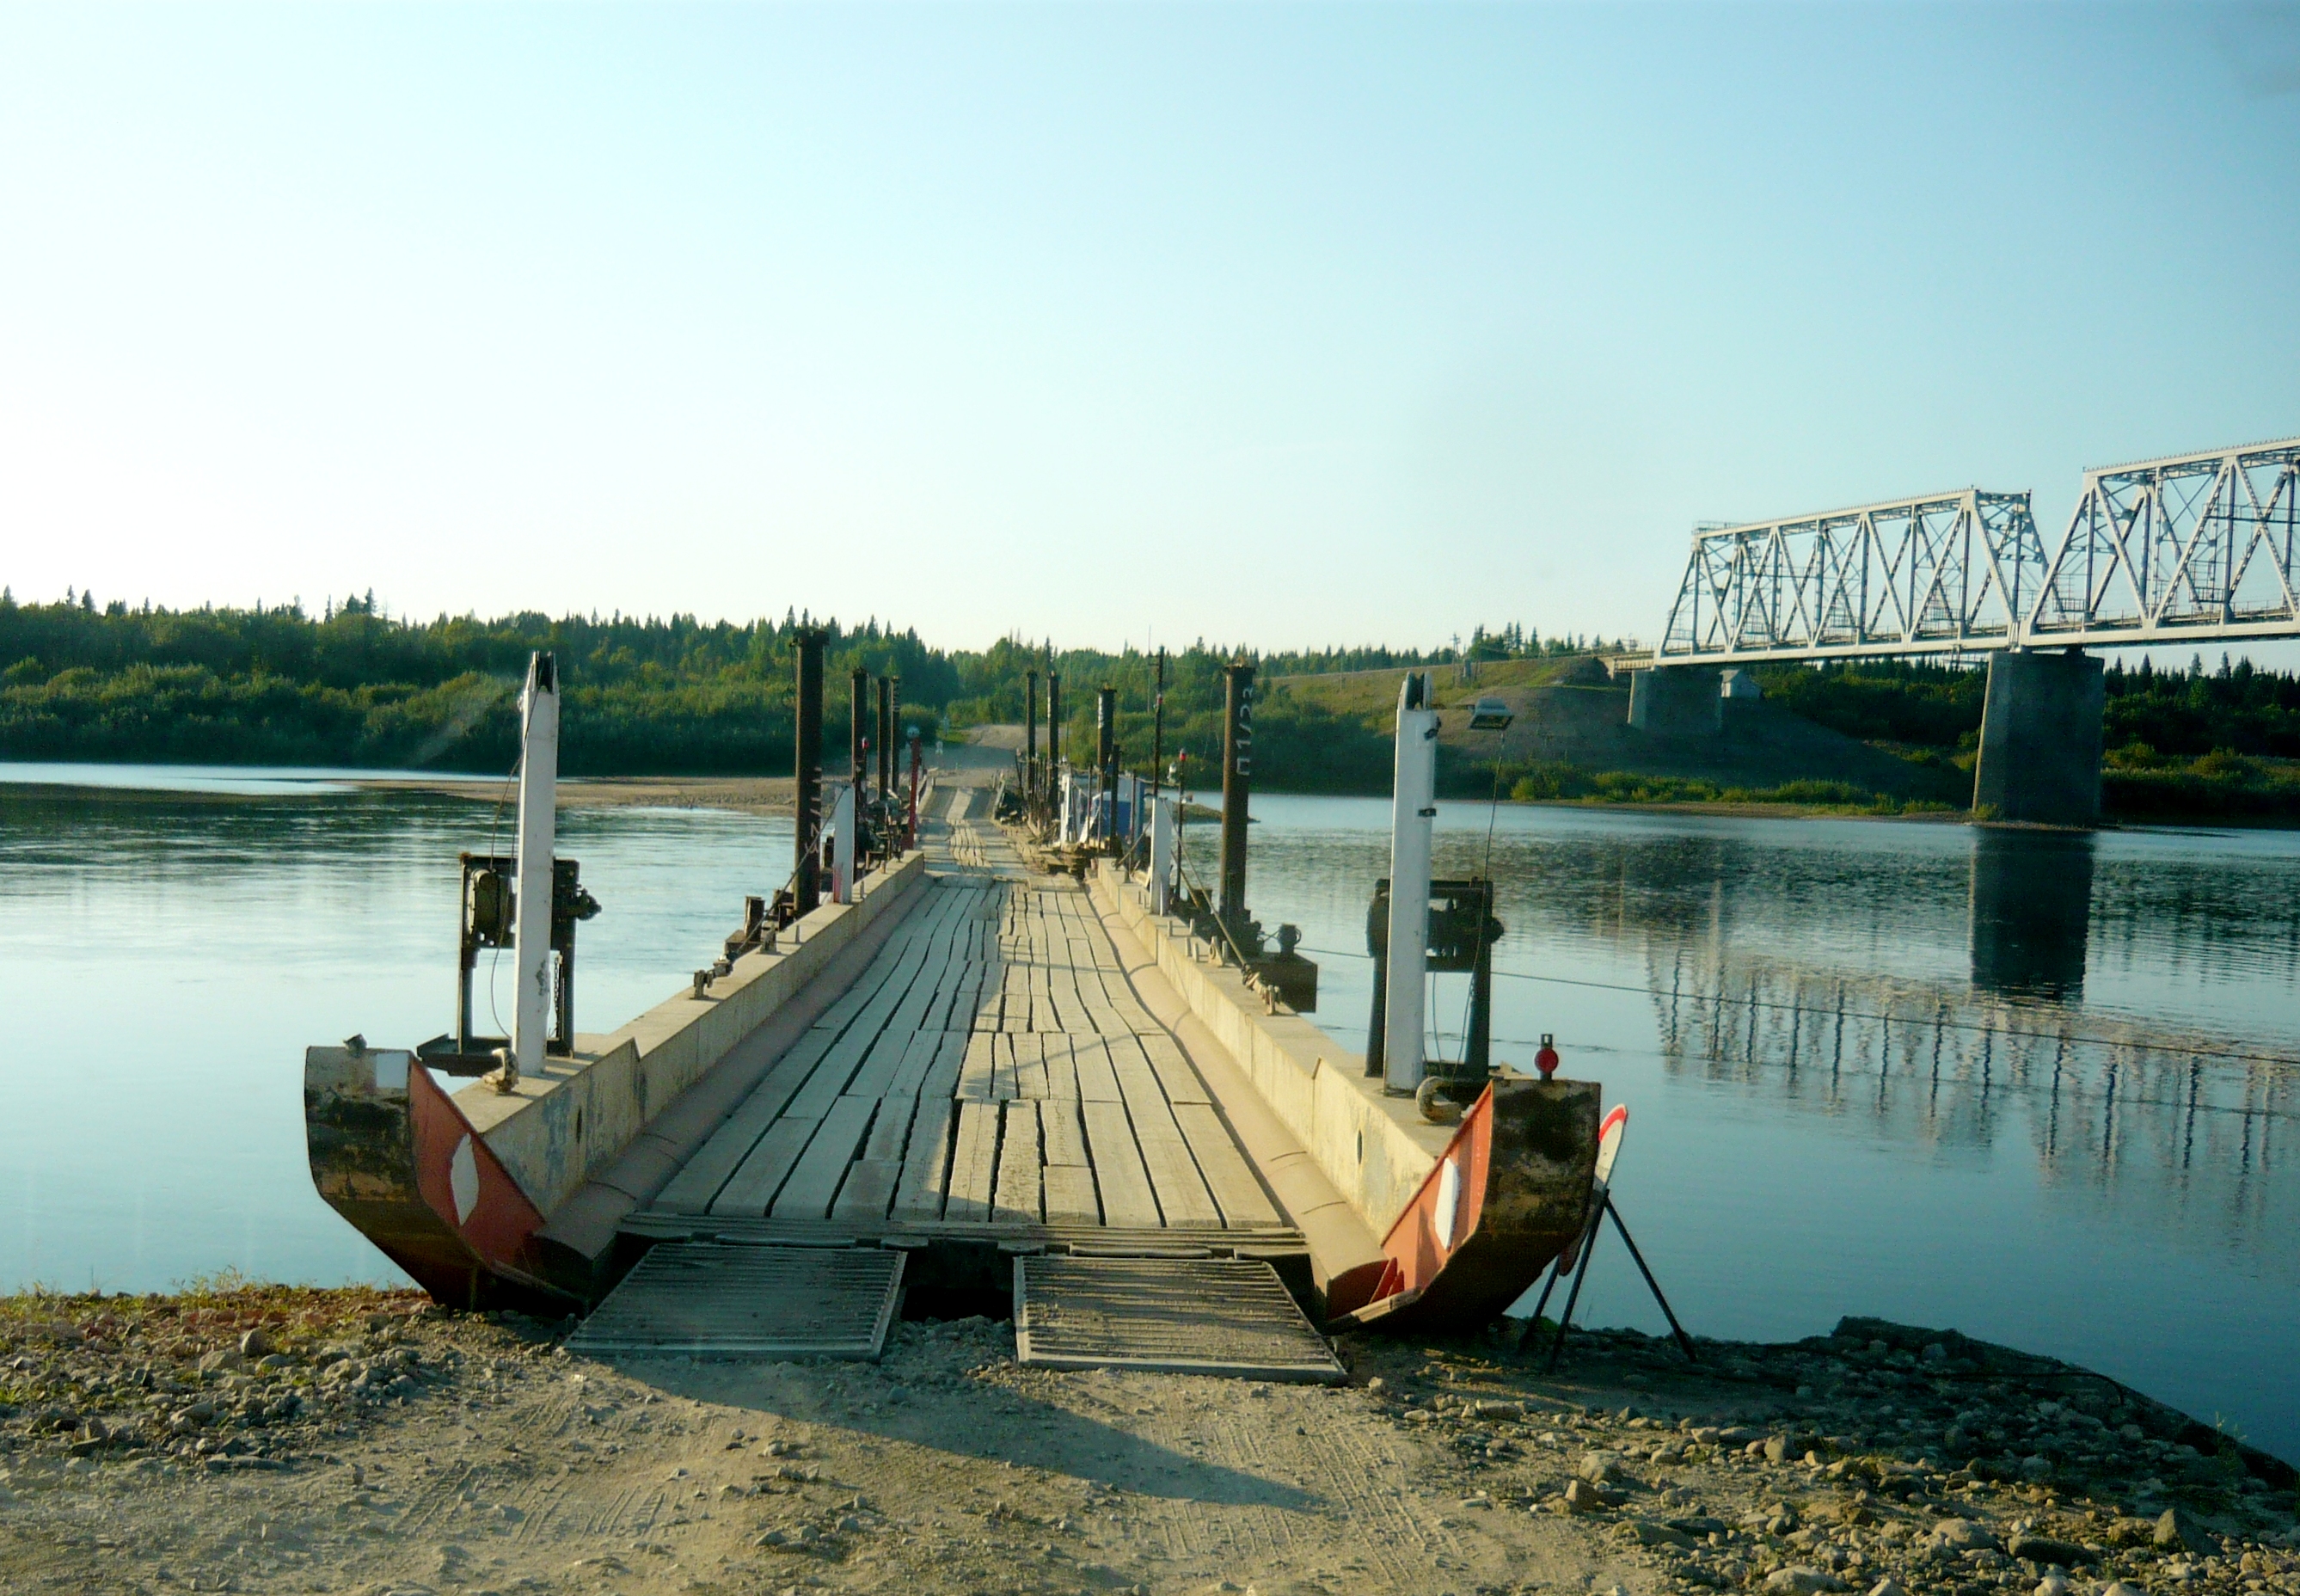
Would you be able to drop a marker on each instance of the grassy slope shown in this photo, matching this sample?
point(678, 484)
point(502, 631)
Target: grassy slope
point(1871, 739)
point(1571, 741)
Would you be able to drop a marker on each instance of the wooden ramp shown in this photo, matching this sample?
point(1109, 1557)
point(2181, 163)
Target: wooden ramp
point(992, 1076)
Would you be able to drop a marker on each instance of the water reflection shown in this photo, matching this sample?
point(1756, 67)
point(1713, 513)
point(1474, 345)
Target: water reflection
point(1982, 1078)
point(165, 957)
point(2162, 1122)
point(2031, 912)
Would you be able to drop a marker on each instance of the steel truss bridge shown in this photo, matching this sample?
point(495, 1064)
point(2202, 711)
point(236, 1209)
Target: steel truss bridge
point(2189, 548)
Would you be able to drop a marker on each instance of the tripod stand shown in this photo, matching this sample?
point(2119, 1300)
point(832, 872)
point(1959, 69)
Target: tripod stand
point(1589, 1250)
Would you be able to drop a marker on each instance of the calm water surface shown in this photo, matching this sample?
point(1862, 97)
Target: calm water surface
point(2037, 1088)
point(165, 957)
point(2034, 1087)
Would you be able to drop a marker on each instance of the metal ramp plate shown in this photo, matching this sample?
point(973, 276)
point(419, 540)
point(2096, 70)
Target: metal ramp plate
point(1170, 1315)
point(701, 1300)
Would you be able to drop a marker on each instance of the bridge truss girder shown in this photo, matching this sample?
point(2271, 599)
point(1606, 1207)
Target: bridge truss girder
point(2194, 547)
point(1945, 572)
point(2188, 548)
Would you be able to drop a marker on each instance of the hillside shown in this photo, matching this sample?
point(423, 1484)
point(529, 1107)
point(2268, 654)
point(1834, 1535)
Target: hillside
point(1888, 736)
point(1571, 739)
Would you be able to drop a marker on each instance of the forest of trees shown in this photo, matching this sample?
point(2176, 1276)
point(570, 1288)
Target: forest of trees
point(354, 688)
point(2150, 713)
point(2197, 743)
point(655, 695)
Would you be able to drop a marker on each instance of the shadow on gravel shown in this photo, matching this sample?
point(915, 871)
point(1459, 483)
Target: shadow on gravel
point(990, 1425)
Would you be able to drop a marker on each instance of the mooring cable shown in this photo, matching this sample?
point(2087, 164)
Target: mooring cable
point(2232, 1056)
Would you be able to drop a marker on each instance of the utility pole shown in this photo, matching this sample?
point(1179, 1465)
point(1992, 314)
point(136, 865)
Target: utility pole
point(1413, 807)
point(1237, 788)
point(1030, 742)
point(894, 709)
point(886, 745)
point(1105, 721)
point(1053, 735)
point(538, 819)
point(806, 844)
point(1158, 729)
point(858, 728)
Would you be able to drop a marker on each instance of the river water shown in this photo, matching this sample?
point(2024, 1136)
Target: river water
point(2034, 1087)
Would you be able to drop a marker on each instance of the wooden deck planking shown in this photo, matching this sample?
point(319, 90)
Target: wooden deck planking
point(1061, 1135)
point(1182, 1195)
point(974, 1163)
point(1236, 1191)
point(1069, 1195)
point(1096, 1007)
point(693, 1188)
point(940, 1083)
point(890, 1129)
point(880, 1065)
point(919, 1055)
point(868, 1191)
point(821, 1170)
point(1128, 1007)
point(1098, 1083)
point(1182, 1190)
point(926, 989)
point(993, 1065)
point(978, 1075)
point(1137, 1080)
point(1124, 1179)
point(845, 1056)
point(1031, 1063)
point(1061, 1069)
point(1017, 1186)
point(754, 1185)
point(956, 995)
point(872, 985)
point(926, 1163)
point(1179, 1081)
point(955, 1009)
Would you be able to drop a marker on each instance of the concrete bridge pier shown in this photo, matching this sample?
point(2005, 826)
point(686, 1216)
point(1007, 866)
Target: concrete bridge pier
point(1678, 700)
point(2040, 735)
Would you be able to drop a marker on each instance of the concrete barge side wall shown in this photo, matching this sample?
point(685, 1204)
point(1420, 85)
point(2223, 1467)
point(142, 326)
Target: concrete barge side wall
point(555, 1131)
point(1375, 1149)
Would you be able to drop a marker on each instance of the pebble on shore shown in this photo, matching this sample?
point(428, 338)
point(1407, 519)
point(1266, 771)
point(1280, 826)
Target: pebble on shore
point(1882, 1458)
point(237, 1378)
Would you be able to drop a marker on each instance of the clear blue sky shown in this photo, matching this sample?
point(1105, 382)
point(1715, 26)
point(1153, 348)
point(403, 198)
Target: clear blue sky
point(1291, 325)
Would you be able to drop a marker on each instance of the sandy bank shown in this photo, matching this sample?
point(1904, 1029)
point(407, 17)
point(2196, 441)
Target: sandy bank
point(751, 795)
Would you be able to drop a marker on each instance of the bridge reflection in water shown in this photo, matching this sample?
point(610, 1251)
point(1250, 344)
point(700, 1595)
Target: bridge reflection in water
point(2031, 912)
point(2103, 1100)
point(2031, 1084)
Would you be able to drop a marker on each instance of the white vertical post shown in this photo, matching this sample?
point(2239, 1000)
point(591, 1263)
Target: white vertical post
point(539, 780)
point(1412, 807)
point(1162, 853)
point(842, 847)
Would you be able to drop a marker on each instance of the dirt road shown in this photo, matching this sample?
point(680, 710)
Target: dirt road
point(365, 1443)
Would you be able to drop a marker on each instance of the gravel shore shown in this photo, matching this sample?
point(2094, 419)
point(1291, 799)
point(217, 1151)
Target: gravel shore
point(276, 1439)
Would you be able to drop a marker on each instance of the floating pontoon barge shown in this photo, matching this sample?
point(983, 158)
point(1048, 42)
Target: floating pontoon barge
point(968, 1077)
